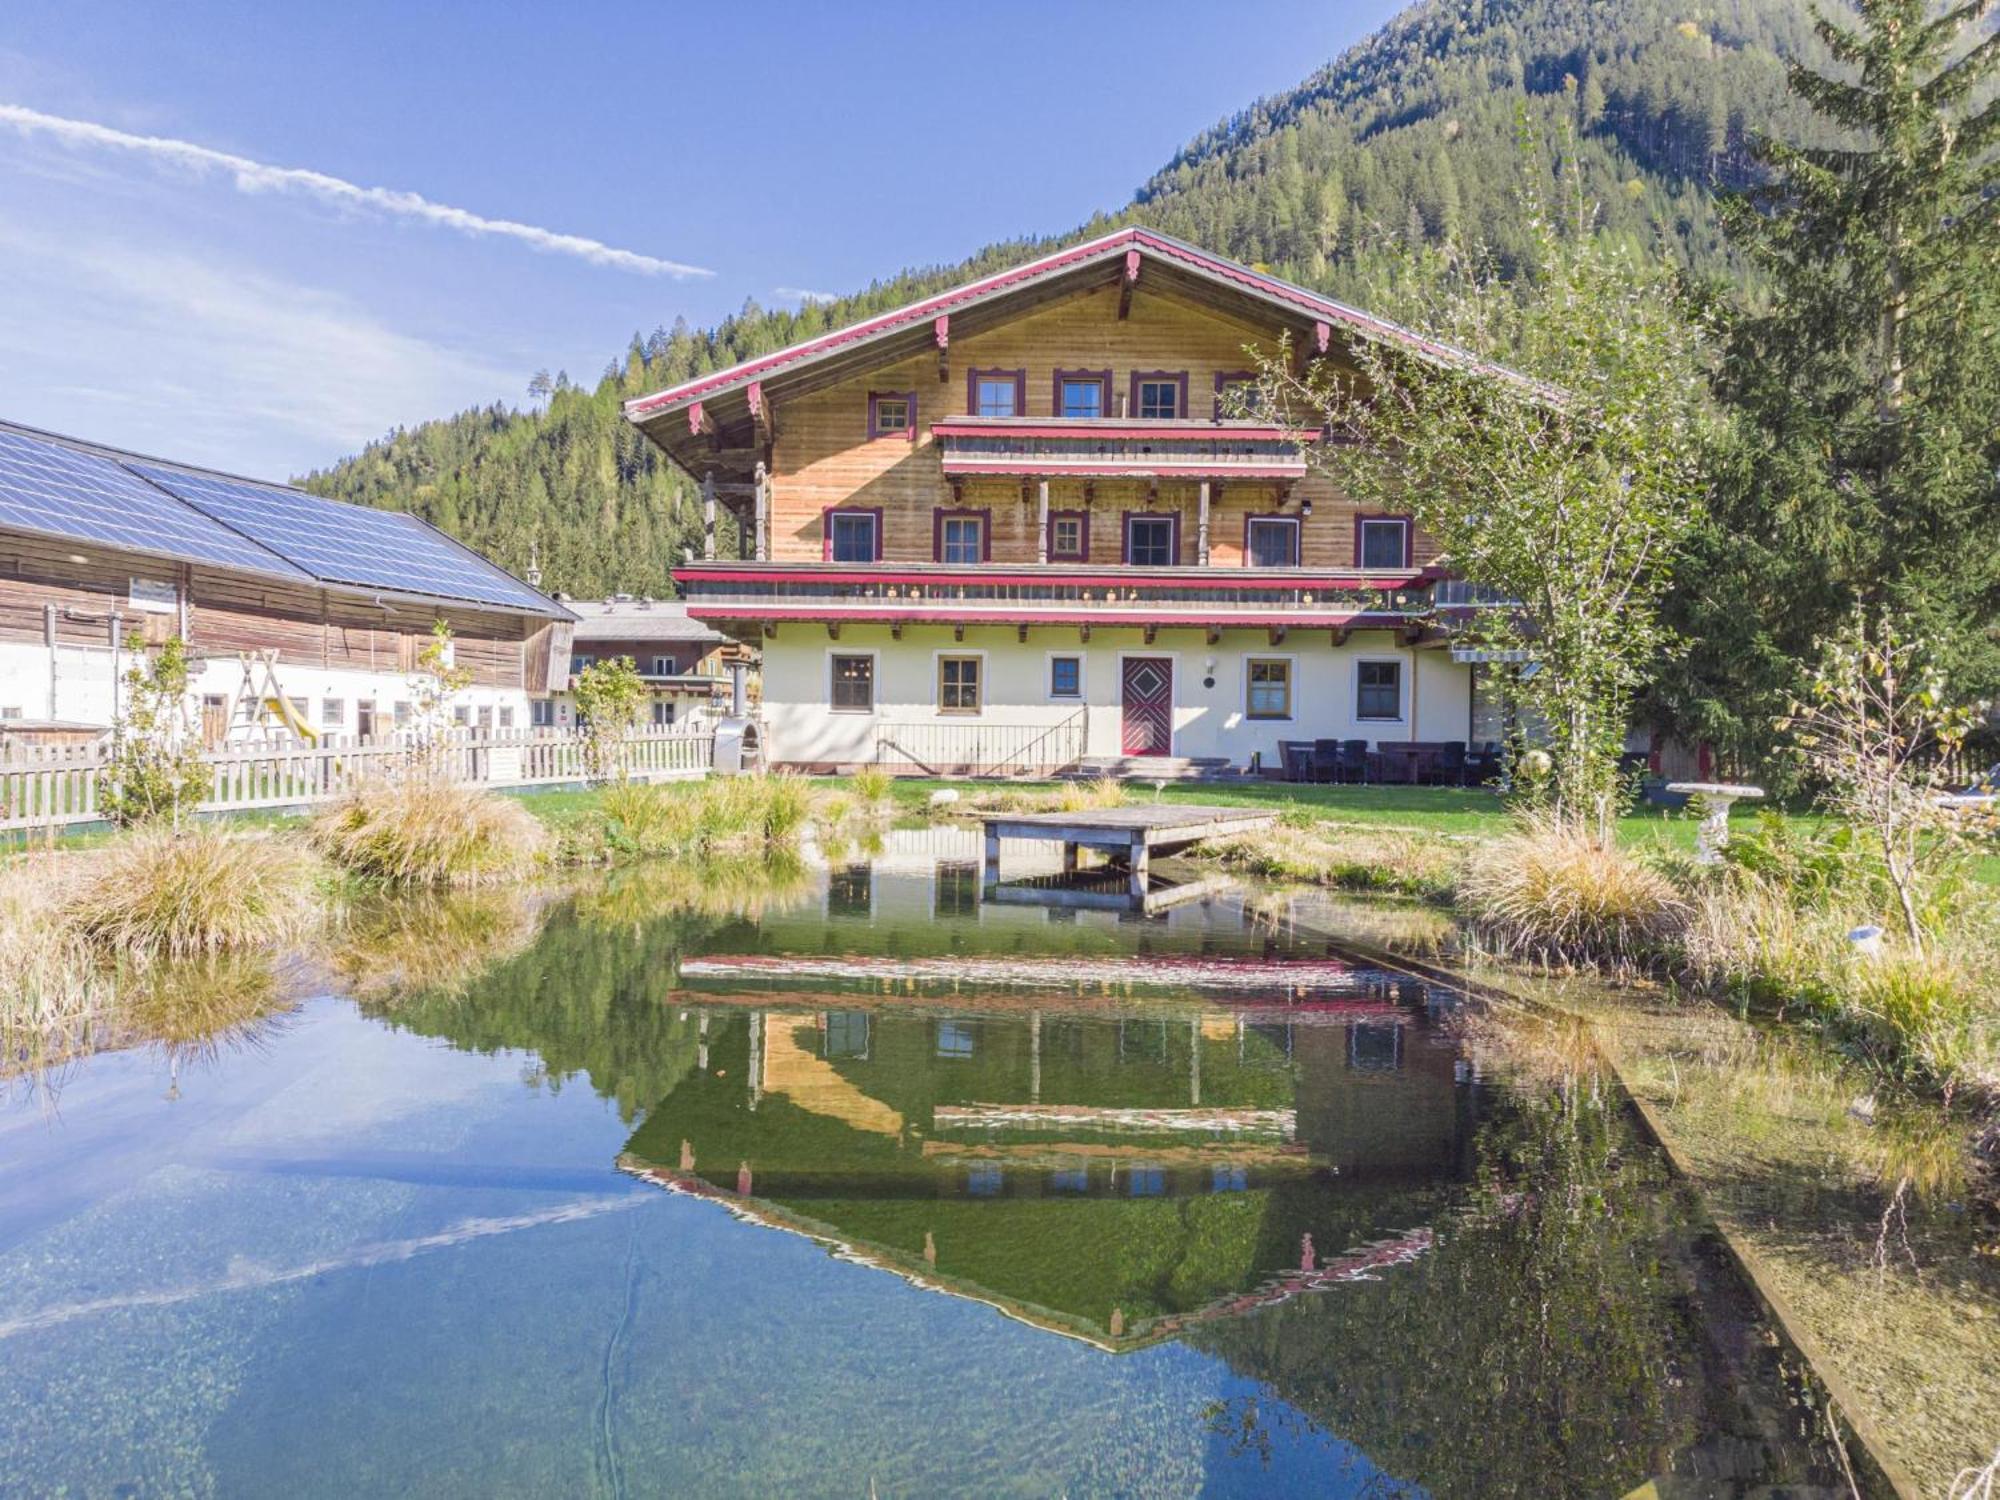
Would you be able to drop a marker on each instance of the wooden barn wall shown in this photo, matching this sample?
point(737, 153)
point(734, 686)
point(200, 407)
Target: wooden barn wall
point(824, 457)
point(232, 612)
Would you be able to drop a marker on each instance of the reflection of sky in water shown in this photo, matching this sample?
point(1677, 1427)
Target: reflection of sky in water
point(359, 1261)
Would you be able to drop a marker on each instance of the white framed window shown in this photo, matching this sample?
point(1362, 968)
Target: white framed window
point(851, 682)
point(1271, 542)
point(1382, 542)
point(506, 716)
point(462, 716)
point(1267, 687)
point(1158, 397)
point(663, 712)
point(961, 682)
point(1065, 677)
point(1378, 690)
point(577, 664)
point(541, 713)
point(333, 713)
point(402, 713)
point(1152, 541)
point(663, 666)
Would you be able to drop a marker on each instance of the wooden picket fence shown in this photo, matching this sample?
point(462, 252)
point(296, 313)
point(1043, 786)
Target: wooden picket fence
point(54, 786)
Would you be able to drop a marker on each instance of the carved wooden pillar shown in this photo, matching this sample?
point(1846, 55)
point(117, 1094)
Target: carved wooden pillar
point(1042, 525)
point(708, 516)
point(1201, 528)
point(763, 514)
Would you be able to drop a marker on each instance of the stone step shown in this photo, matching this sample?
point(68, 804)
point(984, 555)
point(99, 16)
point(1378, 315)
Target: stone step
point(1154, 768)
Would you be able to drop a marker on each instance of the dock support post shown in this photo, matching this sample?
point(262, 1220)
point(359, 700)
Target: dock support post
point(1071, 851)
point(992, 874)
point(1138, 863)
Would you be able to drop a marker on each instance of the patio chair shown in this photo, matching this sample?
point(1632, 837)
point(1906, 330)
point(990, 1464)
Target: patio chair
point(1326, 760)
point(1354, 760)
point(1482, 763)
point(1447, 764)
point(1298, 759)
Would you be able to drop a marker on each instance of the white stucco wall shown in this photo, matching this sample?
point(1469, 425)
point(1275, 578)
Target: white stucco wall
point(1208, 720)
point(84, 678)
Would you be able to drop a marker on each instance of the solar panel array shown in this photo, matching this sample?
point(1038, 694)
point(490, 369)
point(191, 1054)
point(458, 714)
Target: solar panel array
point(349, 544)
point(58, 491)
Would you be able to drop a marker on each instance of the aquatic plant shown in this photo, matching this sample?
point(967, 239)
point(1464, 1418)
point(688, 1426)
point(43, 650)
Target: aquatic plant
point(1356, 859)
point(50, 982)
point(158, 893)
point(1550, 891)
point(423, 830)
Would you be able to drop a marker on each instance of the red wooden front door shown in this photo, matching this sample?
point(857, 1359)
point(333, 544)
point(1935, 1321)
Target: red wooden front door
point(1148, 719)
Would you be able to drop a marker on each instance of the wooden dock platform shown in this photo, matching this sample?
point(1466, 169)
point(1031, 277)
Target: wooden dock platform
point(1130, 835)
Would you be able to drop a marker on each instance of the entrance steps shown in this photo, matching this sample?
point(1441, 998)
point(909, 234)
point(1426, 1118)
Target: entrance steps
point(1154, 768)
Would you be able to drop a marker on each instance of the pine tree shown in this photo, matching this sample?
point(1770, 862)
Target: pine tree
point(1862, 466)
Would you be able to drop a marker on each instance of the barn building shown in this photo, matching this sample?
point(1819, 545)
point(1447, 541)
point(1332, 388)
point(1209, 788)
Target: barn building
point(305, 616)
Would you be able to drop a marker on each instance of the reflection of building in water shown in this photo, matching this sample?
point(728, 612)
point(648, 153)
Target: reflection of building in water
point(1109, 1175)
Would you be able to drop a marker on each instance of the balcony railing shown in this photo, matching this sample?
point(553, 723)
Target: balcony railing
point(1116, 448)
point(1057, 594)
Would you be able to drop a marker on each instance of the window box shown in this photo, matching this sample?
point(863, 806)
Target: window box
point(1271, 541)
point(892, 414)
point(996, 393)
point(1382, 542)
point(1159, 395)
point(961, 536)
point(1082, 394)
point(851, 535)
point(1152, 540)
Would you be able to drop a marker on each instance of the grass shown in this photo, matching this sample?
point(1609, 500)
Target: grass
point(1551, 893)
point(50, 982)
point(1356, 859)
point(162, 893)
point(424, 832)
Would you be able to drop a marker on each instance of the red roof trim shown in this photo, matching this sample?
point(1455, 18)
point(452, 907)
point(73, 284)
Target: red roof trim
point(1123, 468)
point(1106, 247)
point(924, 612)
point(1124, 578)
point(1084, 427)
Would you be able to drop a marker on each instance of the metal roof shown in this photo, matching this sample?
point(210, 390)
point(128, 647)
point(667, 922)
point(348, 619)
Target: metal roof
point(85, 492)
point(637, 620)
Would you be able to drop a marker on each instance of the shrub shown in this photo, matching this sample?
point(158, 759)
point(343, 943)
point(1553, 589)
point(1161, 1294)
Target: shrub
point(424, 831)
point(160, 893)
point(1918, 1016)
point(50, 983)
point(871, 784)
point(1556, 893)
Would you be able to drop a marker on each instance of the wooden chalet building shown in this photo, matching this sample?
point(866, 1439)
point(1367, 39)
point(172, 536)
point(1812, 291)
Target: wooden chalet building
point(305, 617)
point(1012, 526)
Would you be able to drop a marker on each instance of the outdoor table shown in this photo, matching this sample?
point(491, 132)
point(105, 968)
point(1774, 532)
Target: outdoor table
point(1395, 762)
point(1715, 798)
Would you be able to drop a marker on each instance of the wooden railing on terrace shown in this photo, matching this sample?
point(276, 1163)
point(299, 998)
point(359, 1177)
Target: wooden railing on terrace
point(55, 786)
point(980, 749)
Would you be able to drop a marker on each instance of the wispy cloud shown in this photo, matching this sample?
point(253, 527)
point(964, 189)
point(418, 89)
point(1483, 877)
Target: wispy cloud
point(260, 177)
point(175, 351)
point(800, 294)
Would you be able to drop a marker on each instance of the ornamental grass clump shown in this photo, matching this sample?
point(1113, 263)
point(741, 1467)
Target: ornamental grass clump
point(1352, 859)
point(721, 814)
point(158, 893)
point(427, 831)
point(50, 982)
point(1552, 891)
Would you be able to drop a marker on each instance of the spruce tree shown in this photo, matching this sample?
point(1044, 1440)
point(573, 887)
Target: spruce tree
point(1861, 469)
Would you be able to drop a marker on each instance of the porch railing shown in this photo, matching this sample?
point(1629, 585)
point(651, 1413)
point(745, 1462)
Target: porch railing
point(55, 786)
point(940, 748)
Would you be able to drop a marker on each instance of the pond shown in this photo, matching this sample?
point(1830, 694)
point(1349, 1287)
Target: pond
point(864, 1185)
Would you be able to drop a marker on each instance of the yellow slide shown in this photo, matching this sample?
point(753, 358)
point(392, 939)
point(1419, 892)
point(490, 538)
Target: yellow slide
point(289, 717)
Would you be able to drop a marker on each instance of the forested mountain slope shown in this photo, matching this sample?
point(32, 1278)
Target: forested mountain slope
point(1411, 137)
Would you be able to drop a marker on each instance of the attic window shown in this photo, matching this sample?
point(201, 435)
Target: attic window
point(892, 414)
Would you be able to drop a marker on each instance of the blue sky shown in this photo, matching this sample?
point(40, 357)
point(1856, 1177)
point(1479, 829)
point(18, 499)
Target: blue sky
point(177, 283)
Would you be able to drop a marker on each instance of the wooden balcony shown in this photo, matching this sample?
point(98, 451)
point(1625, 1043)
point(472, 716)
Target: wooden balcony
point(1030, 447)
point(740, 597)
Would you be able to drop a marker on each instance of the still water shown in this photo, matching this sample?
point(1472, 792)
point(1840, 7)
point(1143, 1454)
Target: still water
point(862, 1185)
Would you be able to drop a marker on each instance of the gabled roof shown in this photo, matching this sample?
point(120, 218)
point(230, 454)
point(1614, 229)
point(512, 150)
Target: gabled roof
point(57, 486)
point(638, 620)
point(1153, 259)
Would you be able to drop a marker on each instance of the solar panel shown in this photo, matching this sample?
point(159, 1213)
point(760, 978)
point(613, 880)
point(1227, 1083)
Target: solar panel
point(46, 487)
point(351, 544)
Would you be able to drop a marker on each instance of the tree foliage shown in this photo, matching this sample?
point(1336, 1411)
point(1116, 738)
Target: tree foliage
point(156, 771)
point(1864, 467)
point(1567, 490)
point(609, 695)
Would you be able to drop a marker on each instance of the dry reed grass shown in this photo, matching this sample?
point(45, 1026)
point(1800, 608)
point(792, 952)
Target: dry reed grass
point(161, 893)
point(1555, 894)
point(422, 831)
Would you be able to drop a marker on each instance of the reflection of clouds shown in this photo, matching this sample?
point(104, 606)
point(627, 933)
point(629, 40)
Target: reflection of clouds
point(245, 1274)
